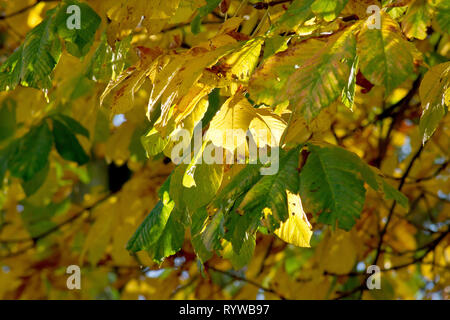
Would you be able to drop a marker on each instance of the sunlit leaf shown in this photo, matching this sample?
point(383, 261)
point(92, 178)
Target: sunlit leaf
point(434, 95)
point(385, 56)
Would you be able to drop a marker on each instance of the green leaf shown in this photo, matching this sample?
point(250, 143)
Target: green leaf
point(10, 71)
point(203, 12)
point(295, 16)
point(391, 193)
point(348, 94)
point(171, 239)
point(434, 94)
point(199, 219)
point(213, 231)
point(67, 144)
point(416, 20)
point(311, 74)
point(208, 179)
point(106, 63)
point(31, 152)
point(241, 259)
point(78, 41)
point(274, 45)
point(270, 191)
point(241, 227)
point(73, 125)
point(4, 158)
point(30, 187)
point(7, 119)
point(32, 64)
point(328, 9)
point(442, 15)
point(153, 143)
point(214, 105)
point(120, 56)
point(240, 184)
point(385, 57)
point(99, 66)
point(259, 192)
point(38, 220)
point(332, 185)
point(161, 233)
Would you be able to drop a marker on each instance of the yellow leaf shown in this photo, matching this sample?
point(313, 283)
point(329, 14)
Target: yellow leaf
point(124, 88)
point(243, 62)
point(178, 76)
point(267, 127)
point(296, 229)
point(228, 128)
point(126, 15)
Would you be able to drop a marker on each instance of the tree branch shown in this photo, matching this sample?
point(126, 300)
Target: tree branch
point(430, 247)
point(391, 211)
point(239, 278)
point(264, 5)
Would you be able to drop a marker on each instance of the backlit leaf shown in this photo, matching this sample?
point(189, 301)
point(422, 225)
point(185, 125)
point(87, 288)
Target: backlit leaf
point(78, 41)
point(296, 229)
point(310, 75)
point(416, 20)
point(328, 9)
point(434, 95)
point(386, 58)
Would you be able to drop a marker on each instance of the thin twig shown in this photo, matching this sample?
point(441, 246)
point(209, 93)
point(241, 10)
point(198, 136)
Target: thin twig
point(391, 211)
point(430, 247)
point(265, 5)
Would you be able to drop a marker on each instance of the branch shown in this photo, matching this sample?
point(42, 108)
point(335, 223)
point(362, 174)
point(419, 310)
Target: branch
point(187, 24)
point(239, 278)
point(349, 293)
point(412, 180)
point(435, 196)
point(430, 247)
point(395, 112)
point(266, 255)
point(390, 112)
point(264, 5)
point(391, 211)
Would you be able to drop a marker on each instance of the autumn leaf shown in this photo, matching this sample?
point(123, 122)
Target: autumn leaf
point(224, 150)
point(435, 97)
